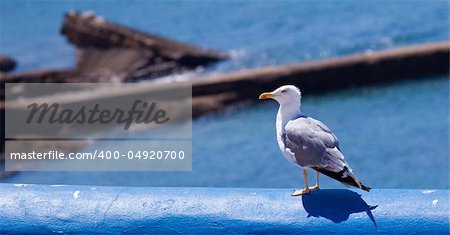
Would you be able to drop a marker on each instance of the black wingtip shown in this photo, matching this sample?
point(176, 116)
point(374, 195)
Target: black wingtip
point(343, 176)
point(365, 188)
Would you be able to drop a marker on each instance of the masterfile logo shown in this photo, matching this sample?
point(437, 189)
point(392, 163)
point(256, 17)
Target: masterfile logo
point(140, 112)
point(66, 111)
point(98, 127)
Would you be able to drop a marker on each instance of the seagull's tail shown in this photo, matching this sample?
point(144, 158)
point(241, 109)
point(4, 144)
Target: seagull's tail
point(345, 176)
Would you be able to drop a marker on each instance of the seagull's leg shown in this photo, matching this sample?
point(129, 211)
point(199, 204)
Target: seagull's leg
point(317, 182)
point(303, 191)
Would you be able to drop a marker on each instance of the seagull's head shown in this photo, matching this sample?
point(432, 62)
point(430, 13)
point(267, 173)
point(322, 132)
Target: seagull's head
point(284, 95)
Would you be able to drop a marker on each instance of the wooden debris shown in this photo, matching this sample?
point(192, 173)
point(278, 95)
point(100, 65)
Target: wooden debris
point(128, 53)
point(7, 64)
point(108, 52)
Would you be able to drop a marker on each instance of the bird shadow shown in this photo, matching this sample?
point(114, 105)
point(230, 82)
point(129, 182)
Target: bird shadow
point(336, 204)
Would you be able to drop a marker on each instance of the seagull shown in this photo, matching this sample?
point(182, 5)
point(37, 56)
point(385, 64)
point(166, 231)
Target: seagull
point(307, 142)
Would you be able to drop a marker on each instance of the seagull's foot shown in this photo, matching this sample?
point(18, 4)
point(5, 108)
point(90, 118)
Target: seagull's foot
point(300, 192)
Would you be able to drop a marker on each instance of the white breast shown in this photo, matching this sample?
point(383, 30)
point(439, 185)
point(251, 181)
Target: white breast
point(288, 154)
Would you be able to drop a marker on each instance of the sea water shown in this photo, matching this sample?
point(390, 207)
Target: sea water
point(393, 136)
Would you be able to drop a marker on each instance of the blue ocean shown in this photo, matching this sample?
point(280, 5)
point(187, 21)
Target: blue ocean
point(394, 135)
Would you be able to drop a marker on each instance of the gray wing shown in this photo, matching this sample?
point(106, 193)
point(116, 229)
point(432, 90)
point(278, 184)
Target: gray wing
point(314, 145)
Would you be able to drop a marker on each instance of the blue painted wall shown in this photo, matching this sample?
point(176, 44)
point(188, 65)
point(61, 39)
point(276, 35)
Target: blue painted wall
point(86, 209)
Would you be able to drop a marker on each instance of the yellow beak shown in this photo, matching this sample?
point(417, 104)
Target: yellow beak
point(266, 95)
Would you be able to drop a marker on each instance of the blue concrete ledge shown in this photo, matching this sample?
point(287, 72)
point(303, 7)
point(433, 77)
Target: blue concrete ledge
point(89, 209)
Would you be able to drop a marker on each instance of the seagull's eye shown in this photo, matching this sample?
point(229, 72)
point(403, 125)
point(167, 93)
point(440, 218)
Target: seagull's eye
point(283, 91)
